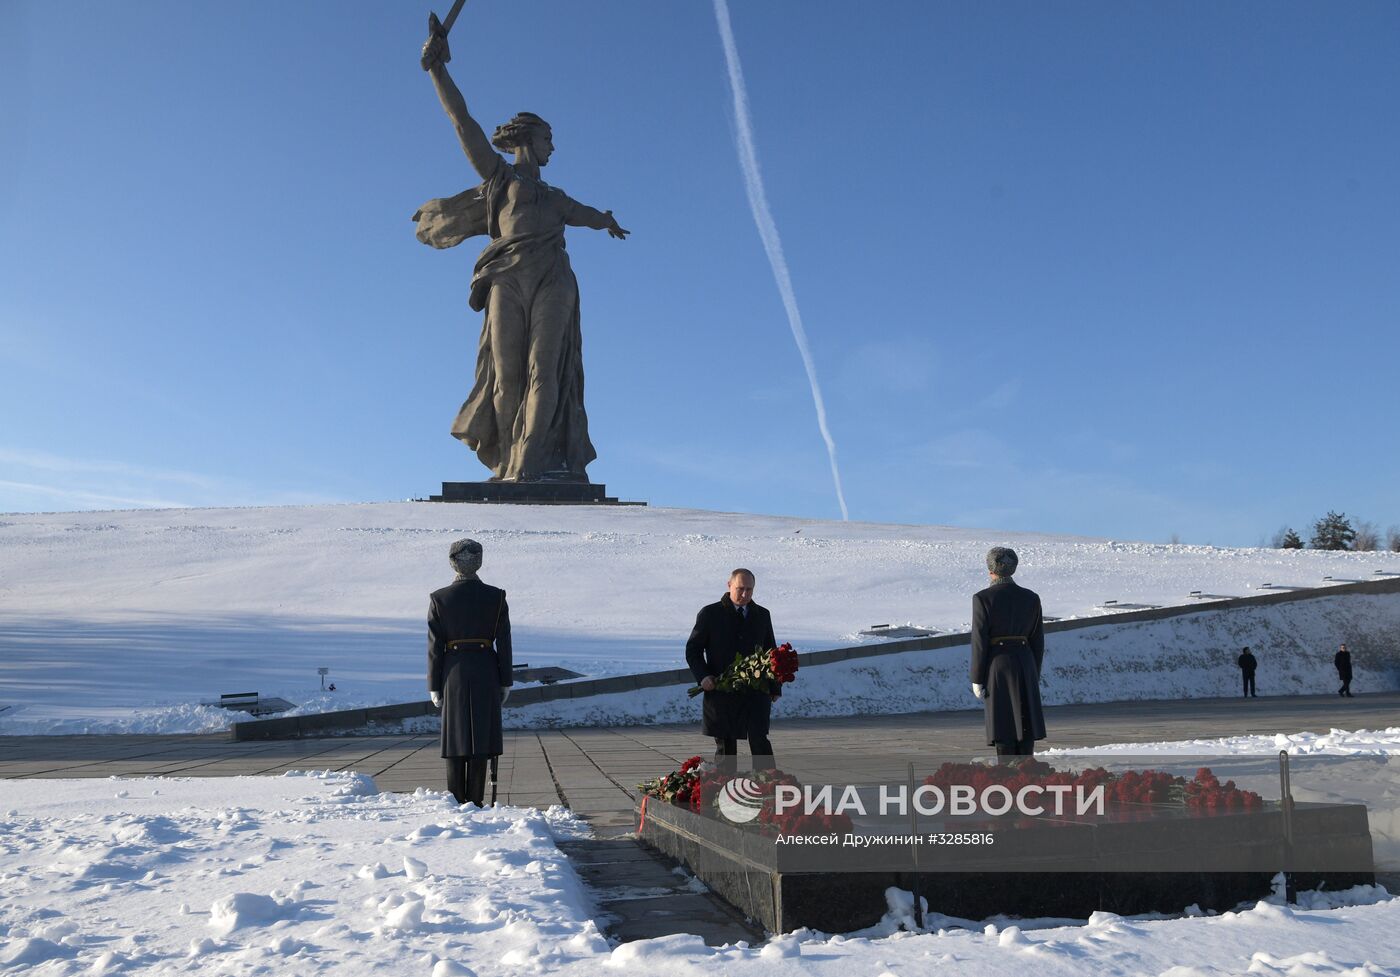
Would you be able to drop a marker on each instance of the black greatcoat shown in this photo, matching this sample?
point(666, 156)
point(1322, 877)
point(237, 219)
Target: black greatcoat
point(469, 676)
point(1009, 671)
point(1343, 662)
point(1248, 663)
point(720, 635)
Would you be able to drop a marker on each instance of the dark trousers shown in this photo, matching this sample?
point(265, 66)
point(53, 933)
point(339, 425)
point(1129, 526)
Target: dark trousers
point(759, 746)
point(466, 779)
point(1249, 683)
point(1346, 687)
point(1024, 747)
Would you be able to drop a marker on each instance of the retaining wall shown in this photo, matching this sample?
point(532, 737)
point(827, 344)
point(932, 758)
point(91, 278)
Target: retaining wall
point(1163, 653)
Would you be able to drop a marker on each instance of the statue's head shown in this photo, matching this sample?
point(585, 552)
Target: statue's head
point(526, 131)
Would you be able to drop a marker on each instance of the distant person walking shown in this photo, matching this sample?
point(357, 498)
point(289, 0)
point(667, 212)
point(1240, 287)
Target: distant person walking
point(469, 671)
point(1248, 663)
point(1008, 645)
point(733, 626)
point(1342, 659)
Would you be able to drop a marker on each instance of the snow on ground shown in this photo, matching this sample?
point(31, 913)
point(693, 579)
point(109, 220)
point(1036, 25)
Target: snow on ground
point(311, 874)
point(1336, 742)
point(297, 874)
point(123, 621)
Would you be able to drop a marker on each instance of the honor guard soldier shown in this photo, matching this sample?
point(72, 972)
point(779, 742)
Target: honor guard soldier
point(469, 671)
point(1008, 644)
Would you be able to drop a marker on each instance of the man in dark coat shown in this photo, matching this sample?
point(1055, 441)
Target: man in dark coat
point(469, 671)
point(1248, 663)
point(1008, 645)
point(1342, 659)
point(733, 626)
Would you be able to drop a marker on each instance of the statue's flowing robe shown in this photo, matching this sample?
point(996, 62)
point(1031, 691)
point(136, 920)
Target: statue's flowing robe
point(520, 434)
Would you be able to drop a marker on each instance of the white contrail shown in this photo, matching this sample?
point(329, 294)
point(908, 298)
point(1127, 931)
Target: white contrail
point(768, 231)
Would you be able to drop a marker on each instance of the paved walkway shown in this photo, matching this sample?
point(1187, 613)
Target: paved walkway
point(594, 771)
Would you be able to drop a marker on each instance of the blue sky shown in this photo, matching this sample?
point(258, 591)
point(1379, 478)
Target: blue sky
point(1120, 269)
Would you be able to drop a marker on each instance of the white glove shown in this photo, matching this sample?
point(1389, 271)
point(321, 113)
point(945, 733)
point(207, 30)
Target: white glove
point(437, 699)
point(978, 691)
point(505, 694)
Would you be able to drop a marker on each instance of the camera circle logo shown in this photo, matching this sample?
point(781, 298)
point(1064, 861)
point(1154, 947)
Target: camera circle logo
point(740, 800)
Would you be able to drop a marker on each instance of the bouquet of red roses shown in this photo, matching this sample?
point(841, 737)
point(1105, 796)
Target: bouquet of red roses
point(678, 786)
point(758, 671)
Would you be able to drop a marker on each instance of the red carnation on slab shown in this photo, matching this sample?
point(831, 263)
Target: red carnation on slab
point(1204, 794)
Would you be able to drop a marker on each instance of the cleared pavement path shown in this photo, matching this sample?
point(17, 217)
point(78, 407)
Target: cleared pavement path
point(594, 771)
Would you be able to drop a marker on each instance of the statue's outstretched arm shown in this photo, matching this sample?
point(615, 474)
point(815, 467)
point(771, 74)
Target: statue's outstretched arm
point(582, 215)
point(483, 158)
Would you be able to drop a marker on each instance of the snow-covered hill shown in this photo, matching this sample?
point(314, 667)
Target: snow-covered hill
point(122, 620)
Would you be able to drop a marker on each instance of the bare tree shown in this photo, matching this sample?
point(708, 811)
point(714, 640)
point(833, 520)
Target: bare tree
point(1367, 539)
point(1392, 539)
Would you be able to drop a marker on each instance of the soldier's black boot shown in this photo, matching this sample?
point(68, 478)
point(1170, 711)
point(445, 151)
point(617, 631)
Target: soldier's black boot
point(476, 781)
point(457, 778)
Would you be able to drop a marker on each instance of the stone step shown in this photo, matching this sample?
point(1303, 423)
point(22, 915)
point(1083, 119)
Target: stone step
point(642, 894)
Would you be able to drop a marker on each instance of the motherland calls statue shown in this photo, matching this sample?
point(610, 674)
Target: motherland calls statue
point(524, 417)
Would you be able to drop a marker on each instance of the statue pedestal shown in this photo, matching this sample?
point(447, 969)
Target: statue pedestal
point(528, 493)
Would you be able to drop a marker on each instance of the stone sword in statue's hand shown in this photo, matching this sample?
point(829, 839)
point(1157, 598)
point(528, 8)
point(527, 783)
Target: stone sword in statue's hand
point(437, 29)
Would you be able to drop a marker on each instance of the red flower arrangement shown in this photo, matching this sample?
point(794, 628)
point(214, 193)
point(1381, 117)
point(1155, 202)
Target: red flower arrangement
point(798, 822)
point(758, 671)
point(1205, 793)
point(783, 662)
point(678, 786)
point(697, 784)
